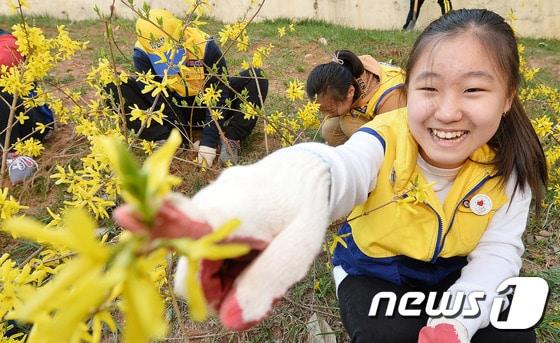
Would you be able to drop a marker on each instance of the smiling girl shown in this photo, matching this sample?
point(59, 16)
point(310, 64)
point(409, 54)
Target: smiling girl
point(438, 195)
point(467, 134)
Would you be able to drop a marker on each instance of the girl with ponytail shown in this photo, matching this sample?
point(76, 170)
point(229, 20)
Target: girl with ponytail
point(351, 91)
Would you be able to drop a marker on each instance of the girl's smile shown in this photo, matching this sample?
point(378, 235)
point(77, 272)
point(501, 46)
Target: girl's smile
point(456, 98)
point(448, 138)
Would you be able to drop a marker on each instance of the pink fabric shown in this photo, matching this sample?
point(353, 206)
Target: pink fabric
point(170, 222)
point(8, 50)
point(231, 314)
point(441, 333)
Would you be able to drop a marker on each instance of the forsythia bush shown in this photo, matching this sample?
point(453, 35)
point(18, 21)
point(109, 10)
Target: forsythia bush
point(543, 102)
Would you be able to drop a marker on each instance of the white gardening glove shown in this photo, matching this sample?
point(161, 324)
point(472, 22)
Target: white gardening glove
point(206, 155)
point(195, 146)
point(282, 203)
point(443, 330)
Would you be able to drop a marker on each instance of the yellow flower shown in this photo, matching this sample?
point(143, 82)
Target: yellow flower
point(202, 6)
point(143, 188)
point(80, 287)
point(159, 87)
point(13, 5)
point(102, 75)
point(317, 285)
point(552, 155)
point(17, 283)
point(211, 96)
point(157, 167)
point(148, 146)
point(542, 125)
point(216, 114)
point(78, 234)
point(137, 113)
point(419, 191)
point(12, 82)
point(142, 306)
point(510, 17)
point(282, 31)
point(260, 54)
point(88, 283)
point(87, 127)
point(86, 194)
point(338, 239)
point(309, 115)
point(123, 76)
point(146, 78)
point(65, 45)
point(56, 218)
point(62, 176)
point(556, 198)
point(236, 32)
point(8, 205)
point(40, 127)
point(29, 147)
point(295, 90)
point(249, 111)
point(21, 117)
point(100, 318)
point(257, 61)
point(146, 117)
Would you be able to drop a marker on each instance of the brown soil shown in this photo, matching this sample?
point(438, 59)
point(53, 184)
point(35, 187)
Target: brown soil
point(551, 63)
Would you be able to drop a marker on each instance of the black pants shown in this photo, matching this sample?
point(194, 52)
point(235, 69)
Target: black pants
point(27, 129)
point(184, 114)
point(236, 126)
point(412, 16)
point(355, 294)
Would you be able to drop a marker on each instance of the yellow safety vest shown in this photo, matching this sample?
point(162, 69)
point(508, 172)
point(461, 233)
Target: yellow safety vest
point(391, 78)
point(186, 64)
point(430, 229)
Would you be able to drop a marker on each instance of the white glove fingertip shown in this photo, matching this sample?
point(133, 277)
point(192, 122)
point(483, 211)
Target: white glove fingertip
point(179, 284)
point(195, 146)
point(186, 205)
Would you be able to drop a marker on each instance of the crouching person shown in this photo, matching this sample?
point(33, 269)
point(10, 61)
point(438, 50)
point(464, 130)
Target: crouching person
point(192, 68)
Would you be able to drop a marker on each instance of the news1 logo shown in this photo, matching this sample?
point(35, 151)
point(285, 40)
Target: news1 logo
point(527, 306)
point(527, 301)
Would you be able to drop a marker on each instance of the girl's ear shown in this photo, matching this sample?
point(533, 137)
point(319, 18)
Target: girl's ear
point(351, 91)
point(509, 101)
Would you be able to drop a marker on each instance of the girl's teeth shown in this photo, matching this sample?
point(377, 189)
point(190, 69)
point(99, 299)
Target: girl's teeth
point(447, 135)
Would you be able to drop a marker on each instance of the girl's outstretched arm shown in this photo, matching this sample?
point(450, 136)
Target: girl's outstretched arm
point(284, 202)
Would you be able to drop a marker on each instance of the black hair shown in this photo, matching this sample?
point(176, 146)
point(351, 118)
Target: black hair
point(516, 143)
point(335, 78)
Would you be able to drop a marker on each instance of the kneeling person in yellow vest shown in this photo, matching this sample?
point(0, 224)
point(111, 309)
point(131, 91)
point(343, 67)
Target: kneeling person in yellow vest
point(351, 90)
point(191, 66)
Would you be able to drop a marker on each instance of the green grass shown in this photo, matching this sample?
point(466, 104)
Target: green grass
point(551, 46)
point(288, 61)
point(549, 327)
